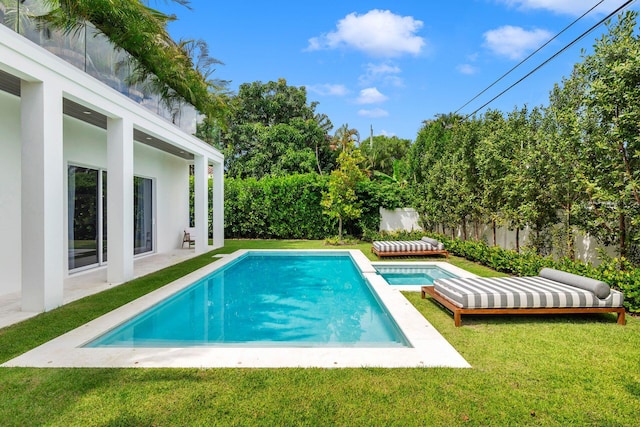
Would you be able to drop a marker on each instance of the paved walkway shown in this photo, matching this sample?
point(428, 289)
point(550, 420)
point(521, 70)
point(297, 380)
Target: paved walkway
point(80, 285)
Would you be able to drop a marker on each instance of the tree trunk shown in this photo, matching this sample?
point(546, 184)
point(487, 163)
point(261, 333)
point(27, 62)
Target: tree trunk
point(493, 227)
point(476, 233)
point(623, 233)
point(464, 229)
point(518, 240)
point(570, 249)
point(340, 228)
point(318, 160)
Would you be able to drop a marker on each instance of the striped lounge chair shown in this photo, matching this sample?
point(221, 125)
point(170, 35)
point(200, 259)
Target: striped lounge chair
point(552, 291)
point(425, 246)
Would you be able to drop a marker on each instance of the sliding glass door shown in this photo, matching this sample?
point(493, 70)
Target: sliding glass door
point(87, 217)
point(86, 208)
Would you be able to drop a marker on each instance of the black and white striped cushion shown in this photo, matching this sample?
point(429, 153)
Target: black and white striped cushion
point(403, 246)
point(520, 292)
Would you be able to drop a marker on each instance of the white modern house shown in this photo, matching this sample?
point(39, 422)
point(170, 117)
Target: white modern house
point(89, 178)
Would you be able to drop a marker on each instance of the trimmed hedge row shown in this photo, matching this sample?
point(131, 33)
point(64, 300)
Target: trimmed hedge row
point(288, 207)
point(617, 272)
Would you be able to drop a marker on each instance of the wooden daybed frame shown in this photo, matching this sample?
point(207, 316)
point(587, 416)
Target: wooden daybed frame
point(381, 254)
point(459, 311)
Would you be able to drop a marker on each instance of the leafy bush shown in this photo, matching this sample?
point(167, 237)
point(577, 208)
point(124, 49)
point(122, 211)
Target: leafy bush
point(619, 273)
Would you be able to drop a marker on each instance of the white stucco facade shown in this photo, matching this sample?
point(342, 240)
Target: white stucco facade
point(39, 142)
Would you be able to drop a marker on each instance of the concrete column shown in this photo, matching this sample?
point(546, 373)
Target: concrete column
point(218, 205)
point(119, 200)
point(43, 198)
point(201, 202)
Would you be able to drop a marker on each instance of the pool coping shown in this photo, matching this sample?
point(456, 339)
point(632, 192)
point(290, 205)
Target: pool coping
point(429, 348)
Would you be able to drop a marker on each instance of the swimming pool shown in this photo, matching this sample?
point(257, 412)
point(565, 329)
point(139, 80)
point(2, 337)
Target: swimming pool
point(427, 347)
point(267, 299)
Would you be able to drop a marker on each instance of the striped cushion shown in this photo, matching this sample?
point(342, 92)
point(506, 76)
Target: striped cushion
point(403, 246)
point(520, 292)
point(403, 270)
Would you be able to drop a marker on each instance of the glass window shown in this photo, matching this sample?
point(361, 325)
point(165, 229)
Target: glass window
point(143, 215)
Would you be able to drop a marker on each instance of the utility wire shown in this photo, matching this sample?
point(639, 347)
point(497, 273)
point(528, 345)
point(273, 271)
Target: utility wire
point(580, 37)
point(530, 55)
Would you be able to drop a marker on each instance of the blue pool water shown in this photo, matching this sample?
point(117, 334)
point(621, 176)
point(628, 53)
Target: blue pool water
point(413, 275)
point(267, 299)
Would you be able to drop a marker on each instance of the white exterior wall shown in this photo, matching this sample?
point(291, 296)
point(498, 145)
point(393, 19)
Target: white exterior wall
point(10, 201)
point(86, 145)
point(399, 219)
point(37, 143)
point(170, 176)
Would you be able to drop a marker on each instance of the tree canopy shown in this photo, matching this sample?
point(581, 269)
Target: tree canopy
point(273, 130)
point(572, 165)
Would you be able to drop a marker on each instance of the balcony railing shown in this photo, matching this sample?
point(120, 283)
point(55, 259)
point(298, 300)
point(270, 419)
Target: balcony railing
point(93, 53)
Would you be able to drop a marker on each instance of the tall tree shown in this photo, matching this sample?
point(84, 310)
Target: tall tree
point(382, 152)
point(611, 76)
point(340, 201)
point(345, 138)
point(560, 143)
point(272, 130)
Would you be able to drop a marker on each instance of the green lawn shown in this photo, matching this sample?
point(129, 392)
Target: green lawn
point(527, 370)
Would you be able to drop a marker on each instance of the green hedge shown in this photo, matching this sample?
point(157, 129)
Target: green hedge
point(288, 207)
point(617, 272)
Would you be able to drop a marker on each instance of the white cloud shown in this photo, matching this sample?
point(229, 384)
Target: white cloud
point(514, 42)
point(378, 33)
point(328, 89)
point(385, 73)
point(371, 95)
point(567, 7)
point(467, 69)
point(373, 114)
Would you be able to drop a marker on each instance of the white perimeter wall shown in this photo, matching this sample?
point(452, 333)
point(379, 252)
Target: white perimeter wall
point(10, 202)
point(586, 248)
point(399, 219)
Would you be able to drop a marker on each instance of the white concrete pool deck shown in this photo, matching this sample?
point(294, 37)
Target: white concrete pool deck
point(84, 283)
point(428, 347)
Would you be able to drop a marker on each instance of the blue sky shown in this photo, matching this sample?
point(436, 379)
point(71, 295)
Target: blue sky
point(392, 64)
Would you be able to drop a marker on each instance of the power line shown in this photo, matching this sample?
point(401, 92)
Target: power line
point(530, 55)
point(577, 39)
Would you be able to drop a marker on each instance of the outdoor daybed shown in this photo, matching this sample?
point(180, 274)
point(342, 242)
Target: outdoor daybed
point(425, 246)
point(552, 291)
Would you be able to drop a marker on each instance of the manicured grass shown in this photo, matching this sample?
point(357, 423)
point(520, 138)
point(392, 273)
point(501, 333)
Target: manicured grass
point(527, 370)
